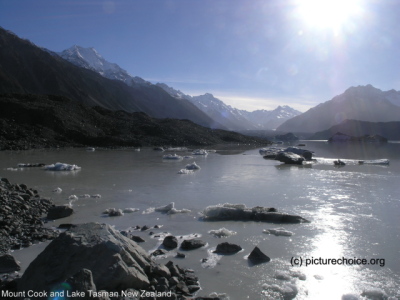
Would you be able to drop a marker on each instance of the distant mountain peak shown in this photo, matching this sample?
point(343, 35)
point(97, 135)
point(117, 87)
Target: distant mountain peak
point(89, 58)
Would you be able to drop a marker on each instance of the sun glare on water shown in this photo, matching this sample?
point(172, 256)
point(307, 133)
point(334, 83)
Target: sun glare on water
point(334, 15)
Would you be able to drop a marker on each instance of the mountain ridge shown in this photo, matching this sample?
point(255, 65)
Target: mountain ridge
point(26, 68)
point(363, 103)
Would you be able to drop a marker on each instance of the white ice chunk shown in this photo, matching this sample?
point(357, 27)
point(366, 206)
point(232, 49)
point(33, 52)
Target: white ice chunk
point(61, 167)
point(222, 232)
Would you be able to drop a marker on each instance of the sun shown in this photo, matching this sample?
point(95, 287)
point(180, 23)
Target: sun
point(328, 14)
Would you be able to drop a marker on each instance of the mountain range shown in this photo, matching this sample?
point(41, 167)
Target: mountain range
point(81, 74)
point(229, 117)
point(362, 103)
point(28, 69)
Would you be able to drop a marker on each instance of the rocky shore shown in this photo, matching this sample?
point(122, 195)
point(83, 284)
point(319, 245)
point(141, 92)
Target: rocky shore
point(21, 211)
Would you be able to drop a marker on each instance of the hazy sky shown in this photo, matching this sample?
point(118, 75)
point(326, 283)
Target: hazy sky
point(250, 54)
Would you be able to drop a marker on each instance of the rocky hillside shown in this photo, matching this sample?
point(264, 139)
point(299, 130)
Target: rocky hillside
point(31, 121)
point(362, 103)
point(26, 68)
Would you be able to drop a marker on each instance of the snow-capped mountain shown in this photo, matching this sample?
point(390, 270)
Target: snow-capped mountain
point(89, 58)
point(271, 119)
point(226, 115)
point(233, 118)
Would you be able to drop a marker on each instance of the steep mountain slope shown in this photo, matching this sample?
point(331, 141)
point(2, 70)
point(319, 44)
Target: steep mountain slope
point(25, 68)
point(41, 121)
point(89, 58)
point(232, 118)
point(363, 103)
point(389, 130)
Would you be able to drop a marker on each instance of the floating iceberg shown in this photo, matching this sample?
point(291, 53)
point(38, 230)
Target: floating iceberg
point(57, 190)
point(222, 232)
point(176, 149)
point(185, 171)
point(192, 166)
point(61, 167)
point(90, 149)
point(172, 157)
point(73, 197)
point(84, 196)
point(165, 208)
point(278, 232)
point(170, 209)
point(383, 161)
point(200, 152)
point(96, 196)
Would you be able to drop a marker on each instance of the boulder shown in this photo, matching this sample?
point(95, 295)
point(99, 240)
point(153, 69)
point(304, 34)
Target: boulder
point(115, 261)
point(8, 264)
point(192, 244)
point(82, 282)
point(289, 158)
point(170, 242)
point(60, 211)
point(227, 248)
point(257, 256)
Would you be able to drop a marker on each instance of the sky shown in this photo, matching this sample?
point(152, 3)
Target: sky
point(252, 55)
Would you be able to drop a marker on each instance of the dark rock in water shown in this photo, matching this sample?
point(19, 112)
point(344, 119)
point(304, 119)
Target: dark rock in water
point(227, 248)
point(58, 212)
point(307, 155)
point(289, 158)
point(8, 264)
point(239, 212)
point(137, 239)
point(66, 226)
point(158, 252)
point(192, 244)
point(257, 257)
point(170, 242)
point(82, 282)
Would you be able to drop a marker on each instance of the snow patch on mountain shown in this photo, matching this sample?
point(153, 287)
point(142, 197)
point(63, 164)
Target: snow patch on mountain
point(89, 58)
point(233, 118)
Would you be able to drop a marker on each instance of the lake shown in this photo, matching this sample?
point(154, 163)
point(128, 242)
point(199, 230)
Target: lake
point(353, 209)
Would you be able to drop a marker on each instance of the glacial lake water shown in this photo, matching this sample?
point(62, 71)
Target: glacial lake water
point(353, 209)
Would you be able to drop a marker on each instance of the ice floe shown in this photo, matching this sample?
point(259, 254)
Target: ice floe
point(96, 196)
point(170, 209)
point(185, 171)
point(57, 190)
point(278, 232)
point(200, 152)
point(72, 197)
point(286, 291)
point(61, 167)
point(222, 232)
point(90, 149)
point(192, 166)
point(113, 212)
point(374, 293)
point(84, 196)
point(172, 157)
